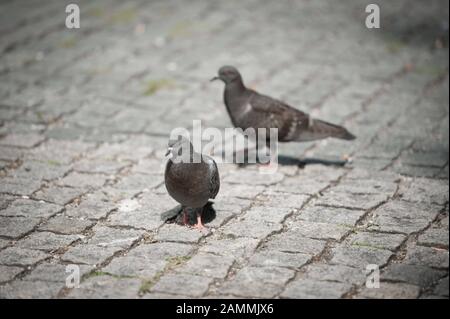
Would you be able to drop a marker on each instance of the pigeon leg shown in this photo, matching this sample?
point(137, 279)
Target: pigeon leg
point(185, 217)
point(271, 165)
point(199, 224)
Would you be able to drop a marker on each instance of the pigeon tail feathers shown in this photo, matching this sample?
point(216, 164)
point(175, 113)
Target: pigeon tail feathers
point(322, 129)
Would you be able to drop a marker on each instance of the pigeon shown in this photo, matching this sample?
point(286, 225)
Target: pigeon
point(192, 179)
point(249, 109)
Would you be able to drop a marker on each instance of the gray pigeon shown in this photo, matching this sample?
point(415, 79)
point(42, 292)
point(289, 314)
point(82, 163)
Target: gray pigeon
point(191, 179)
point(249, 109)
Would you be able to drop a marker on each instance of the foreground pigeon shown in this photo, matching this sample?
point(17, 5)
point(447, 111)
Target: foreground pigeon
point(191, 179)
point(249, 109)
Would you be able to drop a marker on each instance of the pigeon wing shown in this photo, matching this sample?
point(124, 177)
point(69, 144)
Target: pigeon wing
point(213, 176)
point(289, 121)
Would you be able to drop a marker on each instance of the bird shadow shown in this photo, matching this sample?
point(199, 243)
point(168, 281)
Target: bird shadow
point(292, 161)
point(300, 162)
point(174, 215)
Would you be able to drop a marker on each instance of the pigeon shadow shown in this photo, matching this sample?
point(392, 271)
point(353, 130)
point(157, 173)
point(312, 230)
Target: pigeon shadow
point(290, 161)
point(174, 215)
point(300, 162)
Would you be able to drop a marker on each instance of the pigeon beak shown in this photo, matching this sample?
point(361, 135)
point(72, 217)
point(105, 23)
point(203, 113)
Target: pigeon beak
point(169, 150)
point(214, 79)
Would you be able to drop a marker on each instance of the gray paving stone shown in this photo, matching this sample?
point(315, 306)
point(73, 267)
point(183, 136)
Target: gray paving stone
point(359, 257)
point(30, 208)
point(390, 291)
point(337, 216)
point(298, 185)
point(22, 140)
point(3, 164)
point(371, 164)
point(253, 177)
point(3, 243)
point(246, 227)
point(282, 200)
point(148, 260)
point(293, 242)
point(30, 290)
point(46, 241)
point(207, 265)
point(425, 190)
point(417, 171)
point(14, 227)
point(258, 282)
point(418, 275)
point(107, 287)
point(189, 285)
point(437, 237)
point(138, 215)
point(18, 256)
point(58, 194)
point(65, 225)
point(239, 191)
point(366, 186)
point(58, 152)
point(428, 296)
point(98, 166)
point(10, 153)
point(307, 289)
point(403, 217)
point(92, 206)
point(40, 170)
point(134, 184)
point(161, 295)
point(371, 174)
point(101, 246)
point(84, 181)
point(441, 288)
point(271, 214)
point(54, 272)
point(178, 233)
point(353, 201)
point(338, 273)
point(427, 256)
point(7, 273)
point(236, 248)
point(5, 200)
point(425, 159)
point(269, 258)
point(88, 254)
point(19, 186)
point(320, 173)
point(319, 230)
point(376, 240)
point(112, 237)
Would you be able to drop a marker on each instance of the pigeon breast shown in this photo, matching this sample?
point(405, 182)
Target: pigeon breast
point(192, 184)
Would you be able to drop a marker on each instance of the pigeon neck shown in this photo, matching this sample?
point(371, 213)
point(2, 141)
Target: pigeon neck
point(236, 86)
point(185, 157)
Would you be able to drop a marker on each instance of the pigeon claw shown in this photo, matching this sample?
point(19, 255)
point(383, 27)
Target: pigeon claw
point(200, 225)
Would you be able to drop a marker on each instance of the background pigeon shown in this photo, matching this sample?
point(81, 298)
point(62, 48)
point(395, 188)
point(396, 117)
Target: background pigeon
point(191, 179)
point(249, 109)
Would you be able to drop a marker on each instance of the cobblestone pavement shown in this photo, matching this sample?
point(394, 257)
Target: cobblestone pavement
point(84, 120)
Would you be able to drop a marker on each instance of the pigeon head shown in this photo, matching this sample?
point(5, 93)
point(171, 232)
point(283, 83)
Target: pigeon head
point(228, 74)
point(180, 148)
